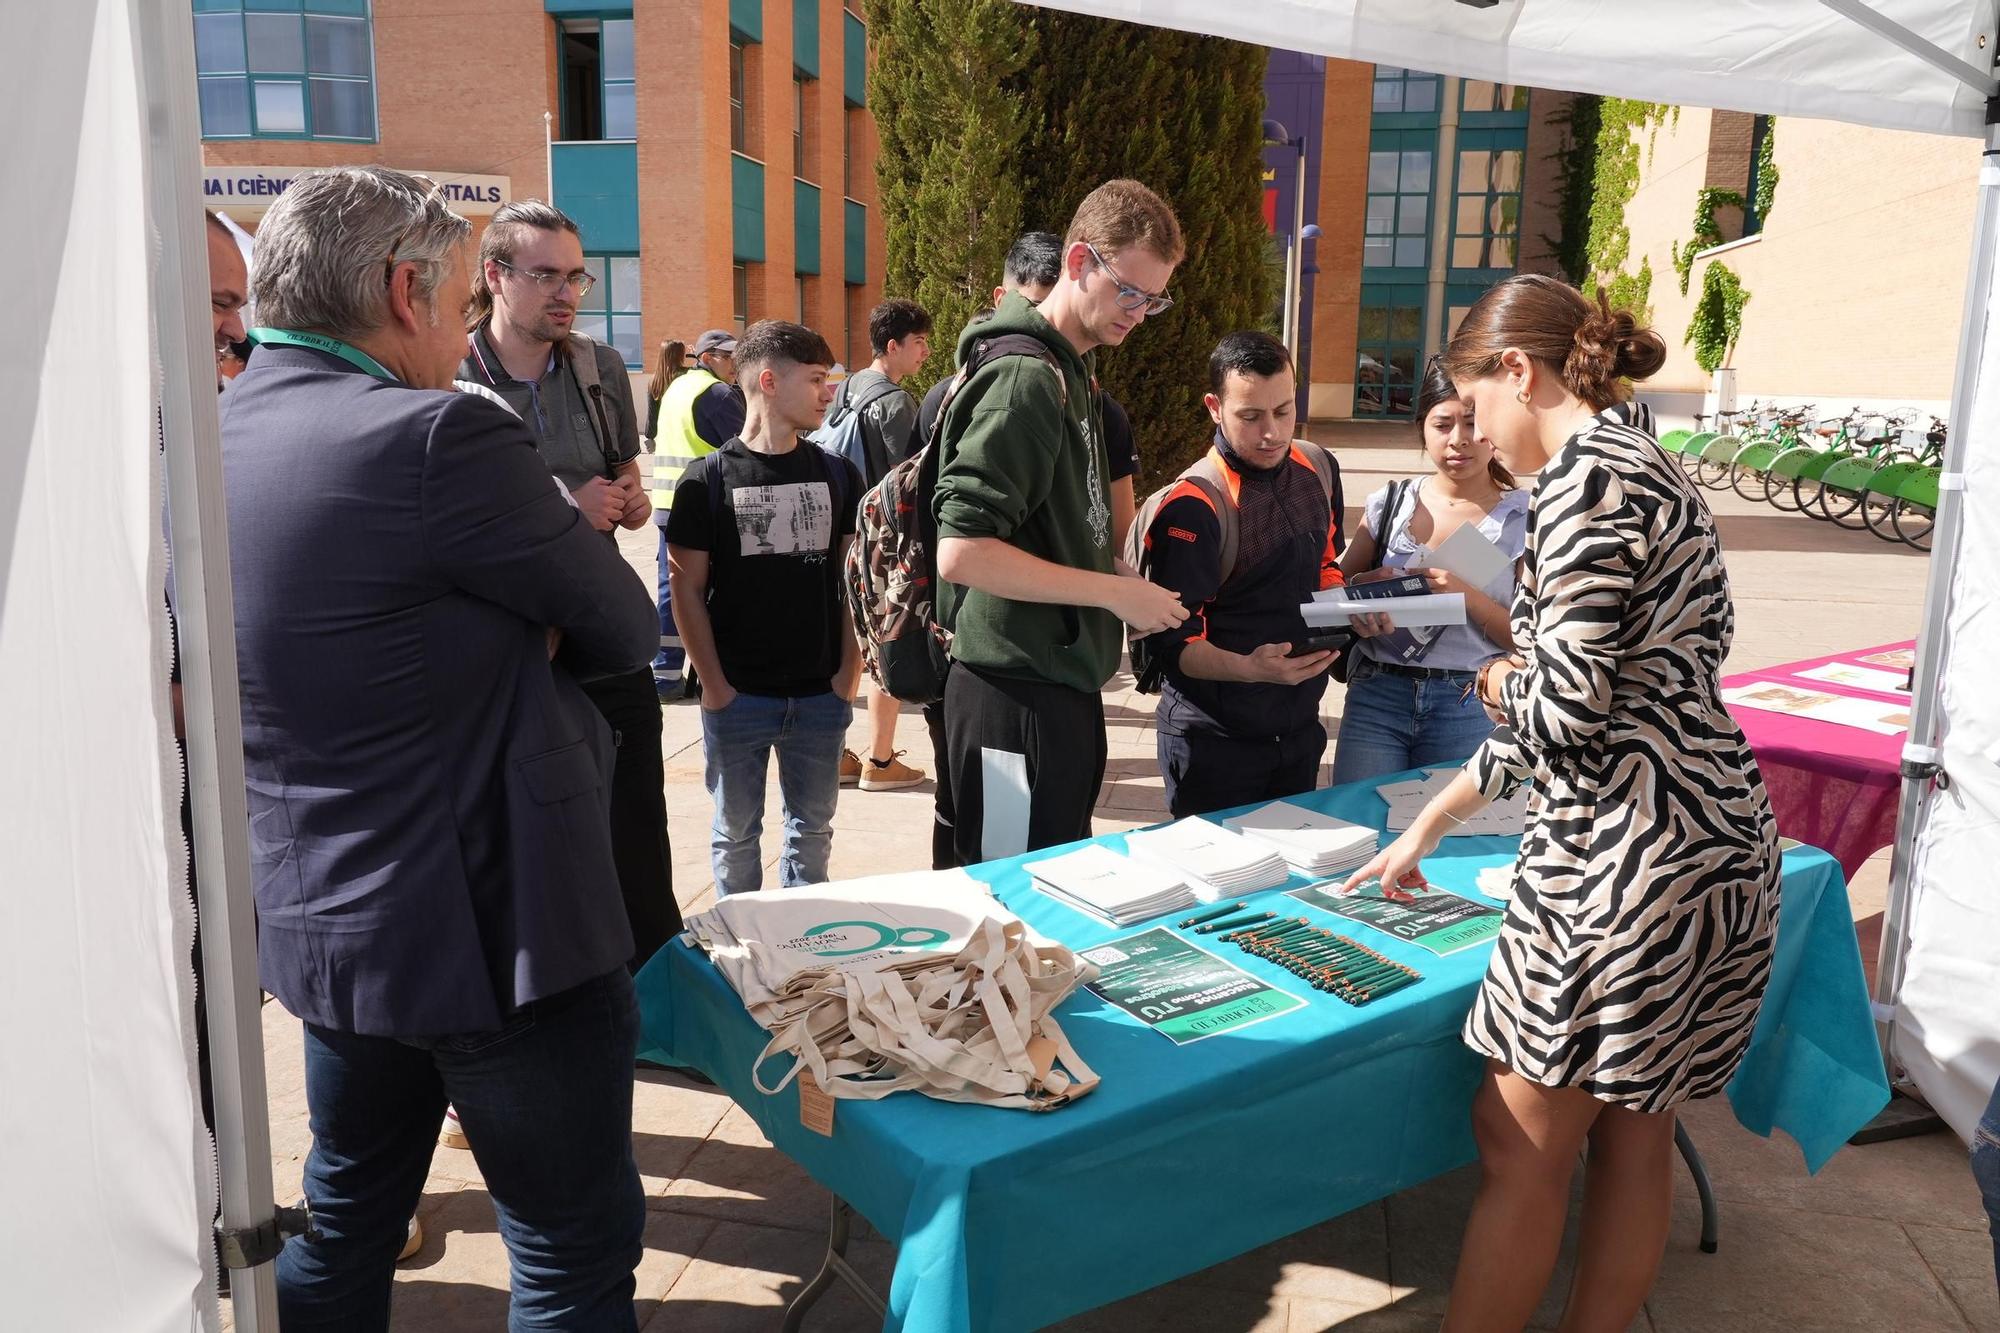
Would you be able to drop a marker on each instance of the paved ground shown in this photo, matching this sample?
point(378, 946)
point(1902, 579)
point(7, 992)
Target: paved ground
point(1889, 1237)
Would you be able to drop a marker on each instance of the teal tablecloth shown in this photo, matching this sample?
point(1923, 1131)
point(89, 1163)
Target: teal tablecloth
point(1187, 1156)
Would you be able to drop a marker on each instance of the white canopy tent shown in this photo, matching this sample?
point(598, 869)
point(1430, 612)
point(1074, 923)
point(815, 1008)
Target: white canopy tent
point(106, 1212)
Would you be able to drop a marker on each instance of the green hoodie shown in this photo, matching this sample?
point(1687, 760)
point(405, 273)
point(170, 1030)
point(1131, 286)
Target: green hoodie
point(1022, 464)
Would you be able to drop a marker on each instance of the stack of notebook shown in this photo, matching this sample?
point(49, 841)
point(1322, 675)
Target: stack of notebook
point(1315, 844)
point(1105, 884)
point(1221, 862)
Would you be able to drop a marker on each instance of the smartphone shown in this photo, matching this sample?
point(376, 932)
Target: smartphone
point(1319, 641)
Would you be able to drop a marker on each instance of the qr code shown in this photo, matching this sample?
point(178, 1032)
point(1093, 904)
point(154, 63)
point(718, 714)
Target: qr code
point(1105, 956)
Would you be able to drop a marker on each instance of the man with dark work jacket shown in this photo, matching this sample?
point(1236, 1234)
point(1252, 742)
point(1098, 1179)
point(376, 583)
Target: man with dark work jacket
point(436, 899)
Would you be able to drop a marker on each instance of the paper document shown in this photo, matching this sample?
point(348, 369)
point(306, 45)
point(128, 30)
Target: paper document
point(1182, 991)
point(1442, 608)
point(1858, 677)
point(1471, 554)
point(1895, 659)
point(1406, 800)
point(1884, 719)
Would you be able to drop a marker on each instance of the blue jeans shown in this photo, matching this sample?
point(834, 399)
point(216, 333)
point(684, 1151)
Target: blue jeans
point(1391, 723)
point(807, 733)
point(1986, 1169)
point(671, 660)
point(546, 1102)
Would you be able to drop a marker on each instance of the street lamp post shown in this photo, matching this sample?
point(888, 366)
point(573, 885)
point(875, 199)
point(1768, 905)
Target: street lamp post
point(1276, 136)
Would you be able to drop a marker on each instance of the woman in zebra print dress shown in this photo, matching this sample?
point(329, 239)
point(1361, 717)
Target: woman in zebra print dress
point(1634, 954)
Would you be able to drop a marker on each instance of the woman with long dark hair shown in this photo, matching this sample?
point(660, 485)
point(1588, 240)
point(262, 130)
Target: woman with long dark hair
point(1637, 944)
point(670, 366)
point(1409, 698)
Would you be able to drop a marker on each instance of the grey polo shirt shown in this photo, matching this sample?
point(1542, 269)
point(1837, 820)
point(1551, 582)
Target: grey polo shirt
point(559, 414)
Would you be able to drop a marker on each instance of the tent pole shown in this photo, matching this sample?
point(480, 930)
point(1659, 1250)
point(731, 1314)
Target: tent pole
point(1925, 713)
point(207, 640)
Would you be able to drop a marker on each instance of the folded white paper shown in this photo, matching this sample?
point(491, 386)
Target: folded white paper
point(1473, 556)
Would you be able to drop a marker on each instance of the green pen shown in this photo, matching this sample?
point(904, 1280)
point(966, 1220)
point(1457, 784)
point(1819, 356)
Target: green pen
point(1212, 914)
point(1232, 923)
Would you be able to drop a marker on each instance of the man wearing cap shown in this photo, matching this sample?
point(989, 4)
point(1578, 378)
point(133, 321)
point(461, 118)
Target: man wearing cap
point(699, 413)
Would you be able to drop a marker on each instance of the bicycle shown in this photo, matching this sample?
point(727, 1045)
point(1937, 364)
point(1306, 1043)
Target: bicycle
point(1771, 433)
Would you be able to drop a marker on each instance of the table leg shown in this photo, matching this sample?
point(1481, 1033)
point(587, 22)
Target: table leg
point(835, 1266)
point(1710, 1222)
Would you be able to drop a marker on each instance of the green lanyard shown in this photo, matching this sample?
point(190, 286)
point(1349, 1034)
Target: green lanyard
point(319, 342)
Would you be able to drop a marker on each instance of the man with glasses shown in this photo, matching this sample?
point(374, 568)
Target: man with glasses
point(573, 394)
point(1029, 583)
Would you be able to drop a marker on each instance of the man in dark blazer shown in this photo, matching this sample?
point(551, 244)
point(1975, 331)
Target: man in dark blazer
point(436, 899)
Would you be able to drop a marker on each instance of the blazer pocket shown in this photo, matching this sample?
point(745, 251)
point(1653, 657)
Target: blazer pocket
point(557, 775)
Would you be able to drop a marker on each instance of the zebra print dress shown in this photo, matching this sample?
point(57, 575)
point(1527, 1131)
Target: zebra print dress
point(1635, 951)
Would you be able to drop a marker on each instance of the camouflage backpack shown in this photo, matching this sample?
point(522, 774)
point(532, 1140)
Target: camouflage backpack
point(891, 572)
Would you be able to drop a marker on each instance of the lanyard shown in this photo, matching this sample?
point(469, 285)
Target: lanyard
point(319, 342)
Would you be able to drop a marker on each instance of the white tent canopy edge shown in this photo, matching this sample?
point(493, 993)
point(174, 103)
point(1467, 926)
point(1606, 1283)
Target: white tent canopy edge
point(1773, 57)
point(1923, 65)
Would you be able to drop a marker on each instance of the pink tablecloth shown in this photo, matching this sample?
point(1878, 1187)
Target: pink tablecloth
point(1831, 786)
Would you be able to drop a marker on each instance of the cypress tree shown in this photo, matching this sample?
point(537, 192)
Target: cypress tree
point(952, 130)
point(1183, 114)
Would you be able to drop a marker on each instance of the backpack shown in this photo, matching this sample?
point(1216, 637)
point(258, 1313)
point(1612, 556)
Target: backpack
point(1209, 475)
point(891, 572)
point(842, 433)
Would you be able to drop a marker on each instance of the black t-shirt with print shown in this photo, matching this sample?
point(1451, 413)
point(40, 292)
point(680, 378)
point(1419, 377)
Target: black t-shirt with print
point(774, 527)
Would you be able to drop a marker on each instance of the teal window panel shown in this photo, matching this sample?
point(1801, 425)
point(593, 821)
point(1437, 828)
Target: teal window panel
point(746, 19)
point(746, 202)
point(805, 227)
point(285, 69)
point(611, 312)
point(1389, 349)
point(598, 185)
point(857, 243)
point(805, 37)
point(587, 9)
point(855, 52)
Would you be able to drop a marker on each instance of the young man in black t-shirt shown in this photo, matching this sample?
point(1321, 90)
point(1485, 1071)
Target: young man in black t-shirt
point(755, 544)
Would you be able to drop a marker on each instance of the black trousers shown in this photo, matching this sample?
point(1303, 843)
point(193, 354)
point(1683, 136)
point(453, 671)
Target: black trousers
point(639, 810)
point(1025, 760)
point(1207, 770)
point(944, 812)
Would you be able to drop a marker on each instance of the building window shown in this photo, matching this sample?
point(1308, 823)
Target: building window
point(598, 92)
point(1476, 95)
point(739, 133)
point(610, 313)
point(1486, 218)
point(847, 151)
point(802, 299)
point(1390, 347)
point(801, 121)
point(739, 286)
point(1405, 92)
point(1399, 200)
point(308, 73)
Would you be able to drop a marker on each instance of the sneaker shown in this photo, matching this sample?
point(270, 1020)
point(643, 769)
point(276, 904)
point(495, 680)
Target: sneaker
point(850, 768)
point(451, 1134)
point(668, 690)
point(890, 774)
point(413, 1240)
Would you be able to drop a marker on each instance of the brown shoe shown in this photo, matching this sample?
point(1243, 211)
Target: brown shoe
point(850, 768)
point(891, 774)
point(413, 1240)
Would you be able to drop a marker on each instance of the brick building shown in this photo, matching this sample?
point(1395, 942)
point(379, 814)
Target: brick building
point(1428, 190)
point(718, 154)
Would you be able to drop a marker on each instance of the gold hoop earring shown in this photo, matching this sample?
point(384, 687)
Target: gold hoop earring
point(1521, 397)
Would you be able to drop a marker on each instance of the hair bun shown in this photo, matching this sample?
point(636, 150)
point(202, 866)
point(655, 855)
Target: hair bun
point(1610, 345)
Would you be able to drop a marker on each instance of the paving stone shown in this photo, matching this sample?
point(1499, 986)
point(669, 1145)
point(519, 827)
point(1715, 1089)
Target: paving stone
point(1343, 1262)
point(1962, 1262)
point(671, 1118)
point(743, 1276)
point(1180, 1308)
point(1783, 1267)
point(737, 1176)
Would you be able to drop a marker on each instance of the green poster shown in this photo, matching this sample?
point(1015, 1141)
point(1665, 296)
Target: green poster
point(1438, 921)
point(1181, 991)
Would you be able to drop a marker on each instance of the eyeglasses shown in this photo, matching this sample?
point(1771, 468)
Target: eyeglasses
point(1130, 297)
point(551, 281)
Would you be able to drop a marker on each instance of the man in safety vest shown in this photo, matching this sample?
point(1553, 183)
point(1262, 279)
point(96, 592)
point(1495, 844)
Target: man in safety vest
point(700, 412)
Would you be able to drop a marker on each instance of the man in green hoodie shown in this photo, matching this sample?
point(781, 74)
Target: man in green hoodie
point(1029, 582)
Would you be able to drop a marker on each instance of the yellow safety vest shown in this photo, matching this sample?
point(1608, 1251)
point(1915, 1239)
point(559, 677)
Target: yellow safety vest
point(675, 443)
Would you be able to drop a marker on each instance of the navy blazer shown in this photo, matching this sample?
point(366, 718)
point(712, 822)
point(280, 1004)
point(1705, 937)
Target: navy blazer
point(428, 794)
